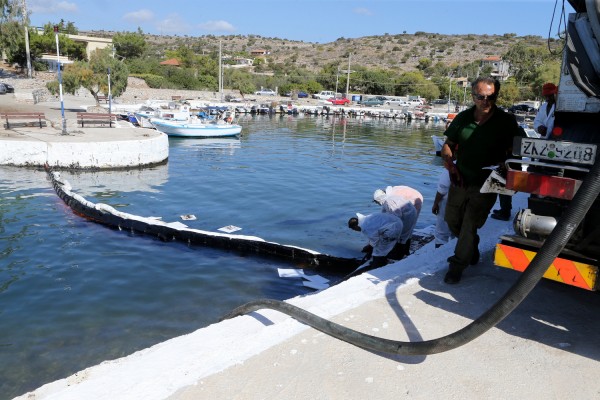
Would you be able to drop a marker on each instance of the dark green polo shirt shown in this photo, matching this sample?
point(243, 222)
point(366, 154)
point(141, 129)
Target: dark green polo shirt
point(482, 146)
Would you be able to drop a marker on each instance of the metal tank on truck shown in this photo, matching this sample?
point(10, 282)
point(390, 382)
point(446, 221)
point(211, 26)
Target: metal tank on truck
point(552, 170)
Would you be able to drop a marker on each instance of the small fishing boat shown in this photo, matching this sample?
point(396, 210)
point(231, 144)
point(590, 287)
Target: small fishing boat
point(195, 127)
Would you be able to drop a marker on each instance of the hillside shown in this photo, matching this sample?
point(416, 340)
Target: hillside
point(400, 52)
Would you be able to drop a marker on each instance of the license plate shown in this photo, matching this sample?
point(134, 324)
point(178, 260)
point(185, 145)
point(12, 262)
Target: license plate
point(581, 153)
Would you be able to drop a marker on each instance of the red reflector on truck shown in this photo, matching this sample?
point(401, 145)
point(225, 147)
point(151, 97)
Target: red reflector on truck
point(543, 185)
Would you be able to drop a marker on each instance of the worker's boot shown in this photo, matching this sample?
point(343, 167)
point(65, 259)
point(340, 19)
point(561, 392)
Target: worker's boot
point(399, 251)
point(377, 262)
point(406, 248)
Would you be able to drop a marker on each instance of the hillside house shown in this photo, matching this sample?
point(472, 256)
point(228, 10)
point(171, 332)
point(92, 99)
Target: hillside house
point(52, 61)
point(243, 62)
point(237, 62)
point(500, 68)
point(173, 62)
point(92, 43)
point(260, 52)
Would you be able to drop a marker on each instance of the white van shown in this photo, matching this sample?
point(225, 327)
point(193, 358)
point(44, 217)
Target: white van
point(324, 95)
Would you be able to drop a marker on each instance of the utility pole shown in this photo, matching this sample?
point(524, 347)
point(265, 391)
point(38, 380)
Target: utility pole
point(27, 52)
point(337, 78)
point(449, 89)
point(348, 78)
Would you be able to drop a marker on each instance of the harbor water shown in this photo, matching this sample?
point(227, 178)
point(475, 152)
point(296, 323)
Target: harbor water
point(74, 293)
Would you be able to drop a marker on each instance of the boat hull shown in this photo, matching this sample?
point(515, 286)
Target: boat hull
point(197, 129)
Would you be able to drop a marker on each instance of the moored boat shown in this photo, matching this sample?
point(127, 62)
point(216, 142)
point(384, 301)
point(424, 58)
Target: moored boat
point(194, 127)
point(172, 112)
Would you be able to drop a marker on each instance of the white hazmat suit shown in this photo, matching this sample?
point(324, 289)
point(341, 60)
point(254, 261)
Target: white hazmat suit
point(382, 230)
point(404, 202)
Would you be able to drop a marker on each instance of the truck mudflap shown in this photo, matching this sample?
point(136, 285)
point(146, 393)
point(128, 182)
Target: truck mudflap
point(580, 274)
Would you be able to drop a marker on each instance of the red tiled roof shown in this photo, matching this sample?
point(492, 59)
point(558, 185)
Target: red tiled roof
point(493, 58)
point(171, 61)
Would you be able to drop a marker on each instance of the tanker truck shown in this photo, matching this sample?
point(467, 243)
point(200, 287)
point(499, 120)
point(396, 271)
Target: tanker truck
point(551, 170)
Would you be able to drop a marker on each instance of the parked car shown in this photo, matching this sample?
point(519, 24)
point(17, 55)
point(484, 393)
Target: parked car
point(324, 95)
point(339, 101)
point(9, 88)
point(374, 101)
point(397, 102)
point(521, 108)
point(3, 88)
point(300, 95)
point(265, 92)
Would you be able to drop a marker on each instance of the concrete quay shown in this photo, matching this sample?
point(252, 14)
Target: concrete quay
point(79, 148)
point(548, 347)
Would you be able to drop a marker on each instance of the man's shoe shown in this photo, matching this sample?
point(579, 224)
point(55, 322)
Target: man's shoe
point(500, 216)
point(475, 258)
point(453, 275)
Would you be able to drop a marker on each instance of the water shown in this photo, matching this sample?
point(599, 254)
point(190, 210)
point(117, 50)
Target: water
point(74, 293)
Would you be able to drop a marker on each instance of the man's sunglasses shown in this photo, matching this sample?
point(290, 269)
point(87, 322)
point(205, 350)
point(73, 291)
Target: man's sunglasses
point(480, 97)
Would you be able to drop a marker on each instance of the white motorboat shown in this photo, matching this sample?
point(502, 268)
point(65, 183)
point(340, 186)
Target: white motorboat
point(171, 112)
point(195, 127)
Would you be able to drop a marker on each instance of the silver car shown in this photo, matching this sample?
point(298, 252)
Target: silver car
point(265, 92)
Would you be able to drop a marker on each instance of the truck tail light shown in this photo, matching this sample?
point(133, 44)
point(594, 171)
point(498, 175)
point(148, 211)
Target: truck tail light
point(543, 185)
point(557, 131)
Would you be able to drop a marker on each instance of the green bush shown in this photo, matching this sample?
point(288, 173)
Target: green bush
point(154, 81)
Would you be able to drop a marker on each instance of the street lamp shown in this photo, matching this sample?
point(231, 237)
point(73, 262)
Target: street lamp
point(109, 94)
point(62, 105)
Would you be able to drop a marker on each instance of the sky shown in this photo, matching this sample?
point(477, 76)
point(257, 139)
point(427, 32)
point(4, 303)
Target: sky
point(319, 21)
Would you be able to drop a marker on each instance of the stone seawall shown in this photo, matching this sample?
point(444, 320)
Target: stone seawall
point(34, 91)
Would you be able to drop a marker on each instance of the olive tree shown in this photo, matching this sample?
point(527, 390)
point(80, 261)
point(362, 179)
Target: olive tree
point(93, 75)
point(12, 33)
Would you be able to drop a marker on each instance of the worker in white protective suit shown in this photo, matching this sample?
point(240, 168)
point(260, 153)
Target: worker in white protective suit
point(382, 230)
point(404, 202)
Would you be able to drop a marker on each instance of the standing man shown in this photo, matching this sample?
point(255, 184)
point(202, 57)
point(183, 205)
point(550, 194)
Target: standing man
point(544, 119)
point(478, 137)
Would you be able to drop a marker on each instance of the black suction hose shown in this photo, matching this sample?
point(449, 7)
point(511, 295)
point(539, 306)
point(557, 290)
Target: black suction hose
point(583, 200)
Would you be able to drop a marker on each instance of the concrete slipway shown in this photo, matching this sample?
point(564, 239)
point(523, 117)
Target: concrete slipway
point(548, 347)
